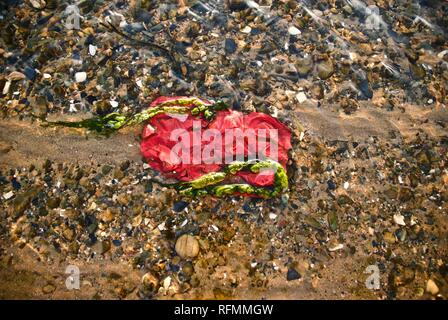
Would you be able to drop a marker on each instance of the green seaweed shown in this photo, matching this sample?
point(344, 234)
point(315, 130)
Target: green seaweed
point(209, 183)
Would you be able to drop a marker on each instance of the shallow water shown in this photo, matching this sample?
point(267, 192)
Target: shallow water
point(363, 91)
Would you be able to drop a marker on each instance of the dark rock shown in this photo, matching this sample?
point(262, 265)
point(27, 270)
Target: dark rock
point(180, 205)
point(237, 5)
point(230, 46)
point(53, 202)
point(15, 184)
point(102, 107)
point(125, 165)
point(292, 275)
point(30, 73)
point(331, 185)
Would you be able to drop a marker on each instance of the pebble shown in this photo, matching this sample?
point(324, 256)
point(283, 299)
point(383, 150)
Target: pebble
point(30, 73)
point(107, 215)
point(118, 174)
point(301, 97)
point(49, 288)
point(69, 234)
point(294, 31)
point(336, 247)
point(16, 76)
point(106, 169)
point(101, 247)
point(230, 46)
point(246, 30)
point(331, 185)
point(38, 4)
point(180, 206)
point(292, 274)
point(399, 219)
point(431, 287)
point(188, 269)
point(389, 238)
point(187, 246)
point(304, 66)
point(92, 49)
point(325, 69)
point(150, 282)
point(80, 76)
point(8, 195)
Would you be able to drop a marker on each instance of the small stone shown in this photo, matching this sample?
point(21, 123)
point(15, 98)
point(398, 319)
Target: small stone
point(53, 202)
point(150, 282)
point(336, 247)
point(22, 201)
point(107, 215)
point(431, 287)
point(187, 246)
point(230, 46)
point(246, 30)
point(237, 5)
point(84, 182)
point(101, 247)
point(325, 69)
point(293, 31)
point(80, 76)
point(188, 269)
point(333, 221)
point(6, 87)
point(15, 76)
point(317, 91)
point(92, 49)
point(125, 165)
point(399, 219)
point(304, 66)
point(166, 282)
point(8, 195)
point(389, 237)
point(38, 4)
point(180, 206)
point(113, 103)
point(30, 73)
point(102, 107)
point(69, 234)
point(292, 274)
point(331, 185)
point(118, 174)
point(301, 97)
point(106, 169)
point(49, 288)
